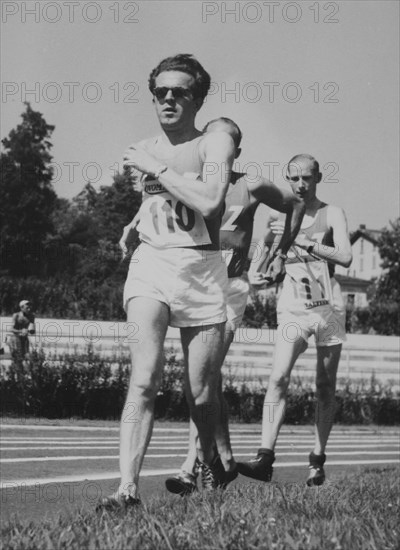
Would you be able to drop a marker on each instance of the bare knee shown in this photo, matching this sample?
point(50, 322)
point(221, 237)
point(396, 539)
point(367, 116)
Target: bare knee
point(145, 386)
point(279, 384)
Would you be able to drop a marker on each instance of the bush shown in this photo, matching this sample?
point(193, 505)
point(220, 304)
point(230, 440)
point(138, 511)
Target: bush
point(89, 386)
point(60, 299)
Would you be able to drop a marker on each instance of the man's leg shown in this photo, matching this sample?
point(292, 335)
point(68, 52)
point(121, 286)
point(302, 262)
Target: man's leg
point(285, 355)
point(202, 347)
point(185, 482)
point(148, 322)
point(327, 365)
point(222, 436)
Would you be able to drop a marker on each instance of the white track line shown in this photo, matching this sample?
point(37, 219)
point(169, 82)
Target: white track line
point(256, 429)
point(169, 455)
point(184, 447)
point(167, 441)
point(21, 483)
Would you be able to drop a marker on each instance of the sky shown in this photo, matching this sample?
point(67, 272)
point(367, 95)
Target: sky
point(298, 77)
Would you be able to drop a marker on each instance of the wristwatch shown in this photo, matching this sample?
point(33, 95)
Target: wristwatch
point(160, 170)
point(310, 249)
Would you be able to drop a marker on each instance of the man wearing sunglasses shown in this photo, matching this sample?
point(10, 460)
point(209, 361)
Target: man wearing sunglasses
point(177, 276)
point(310, 303)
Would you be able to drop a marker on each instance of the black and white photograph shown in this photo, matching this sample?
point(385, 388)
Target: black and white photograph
point(199, 275)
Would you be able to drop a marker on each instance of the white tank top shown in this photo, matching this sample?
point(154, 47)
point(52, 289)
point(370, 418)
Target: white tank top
point(164, 220)
point(308, 281)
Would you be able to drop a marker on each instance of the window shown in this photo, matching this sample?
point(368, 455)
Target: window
point(361, 265)
point(374, 262)
point(362, 246)
point(350, 300)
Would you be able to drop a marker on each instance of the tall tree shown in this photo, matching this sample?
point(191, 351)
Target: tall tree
point(385, 305)
point(27, 196)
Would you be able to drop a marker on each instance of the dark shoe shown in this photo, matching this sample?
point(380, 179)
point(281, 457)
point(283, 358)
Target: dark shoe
point(182, 484)
point(317, 474)
point(117, 501)
point(230, 476)
point(260, 467)
point(213, 475)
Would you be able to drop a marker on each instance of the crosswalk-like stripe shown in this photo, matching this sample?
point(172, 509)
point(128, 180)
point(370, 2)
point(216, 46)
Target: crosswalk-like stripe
point(248, 430)
point(169, 455)
point(11, 485)
point(184, 447)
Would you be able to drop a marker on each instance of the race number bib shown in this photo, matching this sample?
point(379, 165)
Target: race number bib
point(167, 222)
point(310, 283)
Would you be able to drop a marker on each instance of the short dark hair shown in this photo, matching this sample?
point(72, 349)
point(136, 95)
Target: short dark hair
point(186, 63)
point(305, 156)
point(238, 137)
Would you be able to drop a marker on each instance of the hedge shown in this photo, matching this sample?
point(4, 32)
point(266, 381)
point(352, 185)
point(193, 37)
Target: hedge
point(92, 387)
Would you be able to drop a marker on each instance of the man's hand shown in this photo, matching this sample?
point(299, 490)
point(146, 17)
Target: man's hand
point(129, 237)
point(275, 272)
point(141, 160)
point(257, 279)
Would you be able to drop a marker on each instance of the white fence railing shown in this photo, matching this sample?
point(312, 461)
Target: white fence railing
point(250, 355)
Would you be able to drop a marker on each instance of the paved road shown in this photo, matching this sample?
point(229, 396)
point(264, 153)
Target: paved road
point(48, 469)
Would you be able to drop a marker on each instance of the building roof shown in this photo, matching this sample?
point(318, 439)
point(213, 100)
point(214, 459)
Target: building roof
point(352, 283)
point(371, 235)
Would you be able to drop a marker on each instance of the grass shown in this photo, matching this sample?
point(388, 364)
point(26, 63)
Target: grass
point(356, 511)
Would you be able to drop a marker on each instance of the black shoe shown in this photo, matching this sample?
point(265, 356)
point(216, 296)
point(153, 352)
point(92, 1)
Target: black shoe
point(317, 474)
point(117, 501)
point(182, 484)
point(230, 476)
point(260, 467)
point(213, 475)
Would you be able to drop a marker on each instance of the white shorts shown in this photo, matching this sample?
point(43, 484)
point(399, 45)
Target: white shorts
point(327, 325)
point(236, 300)
point(191, 282)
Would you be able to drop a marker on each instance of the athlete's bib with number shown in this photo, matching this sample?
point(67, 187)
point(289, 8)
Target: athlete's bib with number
point(164, 220)
point(167, 222)
point(307, 284)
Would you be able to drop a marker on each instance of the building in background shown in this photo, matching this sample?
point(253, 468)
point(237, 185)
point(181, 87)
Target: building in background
point(365, 267)
point(366, 262)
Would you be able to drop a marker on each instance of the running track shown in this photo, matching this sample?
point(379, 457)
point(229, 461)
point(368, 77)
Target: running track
point(47, 469)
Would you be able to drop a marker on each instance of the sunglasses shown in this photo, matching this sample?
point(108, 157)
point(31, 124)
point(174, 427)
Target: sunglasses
point(178, 92)
point(295, 179)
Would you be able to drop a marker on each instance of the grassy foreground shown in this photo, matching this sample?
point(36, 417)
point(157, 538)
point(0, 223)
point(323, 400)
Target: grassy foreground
point(357, 512)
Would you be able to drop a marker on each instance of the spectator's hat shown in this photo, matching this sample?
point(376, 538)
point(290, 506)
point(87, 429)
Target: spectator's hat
point(24, 303)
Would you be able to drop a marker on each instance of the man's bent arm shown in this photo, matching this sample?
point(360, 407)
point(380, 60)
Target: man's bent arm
point(282, 200)
point(340, 253)
point(206, 196)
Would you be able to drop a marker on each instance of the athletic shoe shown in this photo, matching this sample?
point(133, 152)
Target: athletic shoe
point(230, 476)
point(260, 467)
point(182, 484)
point(317, 474)
point(117, 501)
point(213, 475)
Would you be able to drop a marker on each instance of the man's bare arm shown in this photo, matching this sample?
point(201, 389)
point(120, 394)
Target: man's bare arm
point(340, 253)
point(206, 196)
point(266, 192)
point(129, 236)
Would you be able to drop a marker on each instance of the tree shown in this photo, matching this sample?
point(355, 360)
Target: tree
point(385, 304)
point(27, 197)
